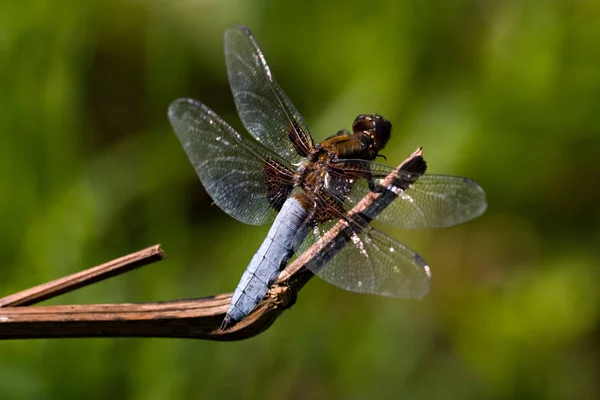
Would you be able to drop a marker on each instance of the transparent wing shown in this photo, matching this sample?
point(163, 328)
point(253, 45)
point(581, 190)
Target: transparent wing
point(370, 262)
point(231, 168)
point(432, 201)
point(263, 107)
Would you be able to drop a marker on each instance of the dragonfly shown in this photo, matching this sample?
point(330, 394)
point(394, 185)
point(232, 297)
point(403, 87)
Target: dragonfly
point(281, 176)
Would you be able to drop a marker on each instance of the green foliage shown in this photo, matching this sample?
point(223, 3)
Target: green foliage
point(506, 93)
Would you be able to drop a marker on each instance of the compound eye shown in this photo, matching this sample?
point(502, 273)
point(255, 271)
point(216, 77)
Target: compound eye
point(382, 125)
point(382, 131)
point(362, 123)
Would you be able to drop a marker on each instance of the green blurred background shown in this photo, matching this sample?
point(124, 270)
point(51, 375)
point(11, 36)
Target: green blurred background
point(504, 92)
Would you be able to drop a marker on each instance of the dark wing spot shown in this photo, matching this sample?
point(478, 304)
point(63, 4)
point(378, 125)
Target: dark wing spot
point(328, 207)
point(420, 260)
point(279, 180)
point(470, 181)
point(300, 139)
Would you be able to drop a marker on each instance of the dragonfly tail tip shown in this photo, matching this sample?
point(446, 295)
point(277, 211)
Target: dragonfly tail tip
point(227, 323)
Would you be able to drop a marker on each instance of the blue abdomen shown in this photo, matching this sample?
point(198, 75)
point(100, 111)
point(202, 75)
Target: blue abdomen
point(270, 259)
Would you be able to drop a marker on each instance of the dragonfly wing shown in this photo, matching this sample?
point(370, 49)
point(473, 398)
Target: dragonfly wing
point(424, 201)
point(370, 262)
point(263, 107)
point(232, 169)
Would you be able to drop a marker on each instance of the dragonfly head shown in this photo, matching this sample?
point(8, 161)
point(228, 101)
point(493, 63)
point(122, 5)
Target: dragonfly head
point(374, 131)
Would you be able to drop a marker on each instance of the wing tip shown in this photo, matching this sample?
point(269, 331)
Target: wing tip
point(477, 187)
point(422, 290)
point(472, 183)
point(174, 107)
point(244, 29)
point(237, 28)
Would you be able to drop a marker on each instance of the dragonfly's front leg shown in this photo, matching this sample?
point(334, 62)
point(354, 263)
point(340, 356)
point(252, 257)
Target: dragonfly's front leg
point(374, 188)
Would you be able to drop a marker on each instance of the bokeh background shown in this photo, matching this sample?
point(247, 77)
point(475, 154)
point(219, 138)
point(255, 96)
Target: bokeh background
point(504, 92)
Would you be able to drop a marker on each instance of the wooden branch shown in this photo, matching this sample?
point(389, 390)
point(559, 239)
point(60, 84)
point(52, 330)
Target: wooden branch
point(194, 318)
point(69, 283)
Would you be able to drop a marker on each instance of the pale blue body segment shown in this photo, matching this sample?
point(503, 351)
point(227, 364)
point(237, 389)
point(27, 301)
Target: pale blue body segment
point(272, 256)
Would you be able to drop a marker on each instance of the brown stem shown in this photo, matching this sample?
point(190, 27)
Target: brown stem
point(69, 283)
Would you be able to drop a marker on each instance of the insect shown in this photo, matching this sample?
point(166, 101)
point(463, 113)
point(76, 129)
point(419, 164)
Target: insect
point(304, 188)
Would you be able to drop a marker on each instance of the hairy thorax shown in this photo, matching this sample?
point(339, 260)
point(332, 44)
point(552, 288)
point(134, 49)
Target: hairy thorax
point(322, 178)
